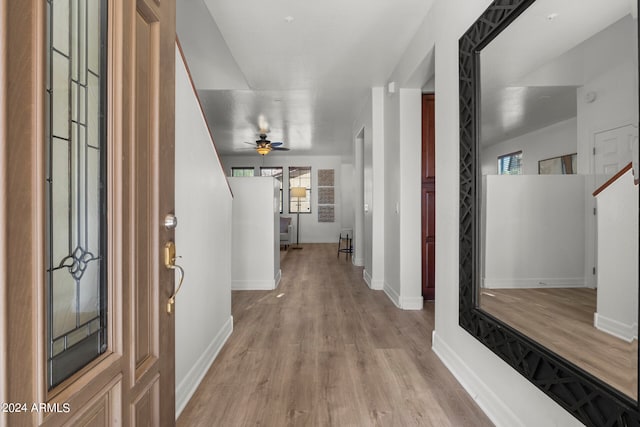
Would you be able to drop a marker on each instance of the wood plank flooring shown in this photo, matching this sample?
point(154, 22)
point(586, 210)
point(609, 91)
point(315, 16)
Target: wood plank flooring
point(562, 320)
point(329, 352)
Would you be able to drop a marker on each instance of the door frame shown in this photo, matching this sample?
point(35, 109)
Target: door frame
point(103, 383)
point(591, 232)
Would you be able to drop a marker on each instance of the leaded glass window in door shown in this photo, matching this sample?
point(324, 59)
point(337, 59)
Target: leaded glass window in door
point(76, 186)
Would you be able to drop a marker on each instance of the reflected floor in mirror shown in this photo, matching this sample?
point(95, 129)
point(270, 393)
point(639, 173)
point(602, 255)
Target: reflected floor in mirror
point(561, 319)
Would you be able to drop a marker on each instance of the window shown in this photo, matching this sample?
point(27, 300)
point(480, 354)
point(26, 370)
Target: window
point(242, 172)
point(510, 164)
point(277, 174)
point(76, 186)
point(300, 177)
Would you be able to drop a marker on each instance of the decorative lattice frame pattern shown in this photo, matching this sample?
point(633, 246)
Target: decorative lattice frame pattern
point(587, 398)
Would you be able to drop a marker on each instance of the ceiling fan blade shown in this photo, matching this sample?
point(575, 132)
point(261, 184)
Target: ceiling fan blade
point(276, 144)
point(250, 143)
point(280, 148)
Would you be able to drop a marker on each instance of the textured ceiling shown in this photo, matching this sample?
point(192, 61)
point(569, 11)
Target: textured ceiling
point(304, 69)
point(307, 78)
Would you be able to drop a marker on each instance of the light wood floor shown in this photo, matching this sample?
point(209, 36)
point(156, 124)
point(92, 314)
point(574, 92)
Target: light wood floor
point(562, 321)
point(329, 352)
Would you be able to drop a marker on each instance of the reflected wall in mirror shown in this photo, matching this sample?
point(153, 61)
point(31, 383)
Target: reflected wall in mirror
point(549, 250)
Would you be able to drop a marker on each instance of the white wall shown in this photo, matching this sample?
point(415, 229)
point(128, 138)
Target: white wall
point(402, 192)
point(203, 239)
point(255, 225)
point(345, 192)
point(556, 140)
point(311, 231)
point(534, 231)
point(358, 199)
point(392, 182)
point(617, 310)
point(411, 199)
point(371, 120)
point(507, 397)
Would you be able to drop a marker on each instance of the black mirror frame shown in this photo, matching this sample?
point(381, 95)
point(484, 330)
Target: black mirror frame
point(586, 397)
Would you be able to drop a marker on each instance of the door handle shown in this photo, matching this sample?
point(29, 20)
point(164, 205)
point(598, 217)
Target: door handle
point(170, 263)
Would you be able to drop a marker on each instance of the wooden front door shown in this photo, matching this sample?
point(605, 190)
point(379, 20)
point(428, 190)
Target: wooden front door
point(428, 197)
point(131, 379)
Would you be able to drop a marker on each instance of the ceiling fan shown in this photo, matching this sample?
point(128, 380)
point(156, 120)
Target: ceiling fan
point(264, 146)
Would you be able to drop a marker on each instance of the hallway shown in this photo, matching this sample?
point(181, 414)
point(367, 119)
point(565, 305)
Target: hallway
point(324, 350)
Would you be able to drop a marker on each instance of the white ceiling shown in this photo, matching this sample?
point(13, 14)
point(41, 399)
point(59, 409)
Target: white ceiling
point(307, 78)
point(530, 82)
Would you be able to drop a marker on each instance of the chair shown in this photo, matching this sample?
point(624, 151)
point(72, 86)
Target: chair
point(285, 231)
point(346, 238)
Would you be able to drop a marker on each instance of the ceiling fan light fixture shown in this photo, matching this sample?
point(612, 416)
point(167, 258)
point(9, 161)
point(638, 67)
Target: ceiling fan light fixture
point(264, 150)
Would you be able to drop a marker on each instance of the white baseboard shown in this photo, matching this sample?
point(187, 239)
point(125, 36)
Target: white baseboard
point(367, 278)
point(277, 279)
point(358, 262)
point(617, 329)
point(376, 285)
point(255, 285)
point(412, 303)
point(405, 303)
point(393, 295)
point(190, 383)
point(497, 411)
point(529, 283)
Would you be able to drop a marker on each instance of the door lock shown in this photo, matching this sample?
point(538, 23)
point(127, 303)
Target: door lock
point(170, 221)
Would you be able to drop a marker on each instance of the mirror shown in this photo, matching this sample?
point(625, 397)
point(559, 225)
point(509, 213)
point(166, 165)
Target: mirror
point(549, 196)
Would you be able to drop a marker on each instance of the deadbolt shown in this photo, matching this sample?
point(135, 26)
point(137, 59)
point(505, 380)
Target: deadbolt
point(170, 221)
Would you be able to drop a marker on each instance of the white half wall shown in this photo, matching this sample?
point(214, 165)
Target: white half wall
point(617, 306)
point(255, 246)
point(203, 319)
point(311, 231)
point(534, 231)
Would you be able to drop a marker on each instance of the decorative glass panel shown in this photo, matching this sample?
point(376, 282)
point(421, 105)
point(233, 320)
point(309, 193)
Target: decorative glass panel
point(76, 186)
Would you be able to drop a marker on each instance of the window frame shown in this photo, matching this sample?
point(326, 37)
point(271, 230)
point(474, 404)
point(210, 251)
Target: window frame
point(308, 198)
point(515, 154)
point(243, 168)
point(281, 180)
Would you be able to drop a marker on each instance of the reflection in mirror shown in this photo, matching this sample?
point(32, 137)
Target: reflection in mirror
point(561, 165)
point(559, 258)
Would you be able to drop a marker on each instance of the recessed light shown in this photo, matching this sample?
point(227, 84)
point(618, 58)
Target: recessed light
point(552, 16)
point(288, 19)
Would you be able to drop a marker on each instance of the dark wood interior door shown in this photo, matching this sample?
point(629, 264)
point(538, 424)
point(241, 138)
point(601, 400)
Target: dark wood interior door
point(428, 197)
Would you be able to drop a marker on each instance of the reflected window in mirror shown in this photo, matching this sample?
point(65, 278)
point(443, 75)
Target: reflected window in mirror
point(510, 164)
